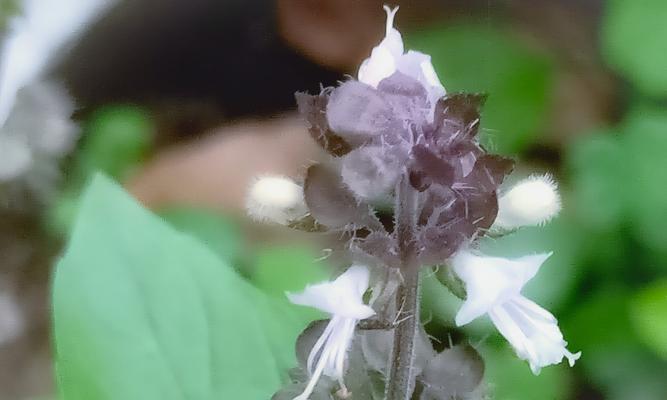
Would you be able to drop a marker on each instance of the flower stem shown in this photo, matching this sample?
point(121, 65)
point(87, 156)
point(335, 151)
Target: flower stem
point(400, 383)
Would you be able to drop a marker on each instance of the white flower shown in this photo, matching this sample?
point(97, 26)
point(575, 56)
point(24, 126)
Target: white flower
point(275, 199)
point(35, 126)
point(533, 201)
point(36, 38)
point(33, 141)
point(389, 57)
point(493, 286)
point(343, 299)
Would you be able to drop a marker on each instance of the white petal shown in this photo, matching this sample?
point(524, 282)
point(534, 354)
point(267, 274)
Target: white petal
point(343, 296)
point(387, 57)
point(533, 332)
point(418, 66)
point(490, 281)
point(430, 76)
point(380, 65)
point(382, 62)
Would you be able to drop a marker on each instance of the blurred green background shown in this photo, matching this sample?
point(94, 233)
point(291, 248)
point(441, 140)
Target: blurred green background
point(592, 114)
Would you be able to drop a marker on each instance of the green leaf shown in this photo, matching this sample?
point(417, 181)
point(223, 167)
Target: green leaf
point(649, 316)
point(612, 359)
point(597, 164)
point(628, 373)
point(117, 139)
point(480, 58)
point(144, 312)
point(617, 175)
point(599, 322)
point(645, 142)
point(633, 39)
point(281, 269)
point(8, 8)
point(61, 213)
point(217, 232)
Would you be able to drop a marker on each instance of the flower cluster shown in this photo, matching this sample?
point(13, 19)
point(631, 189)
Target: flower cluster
point(396, 137)
point(36, 136)
point(392, 122)
point(35, 127)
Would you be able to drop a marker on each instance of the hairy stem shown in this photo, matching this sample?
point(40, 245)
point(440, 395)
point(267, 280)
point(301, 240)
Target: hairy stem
point(401, 375)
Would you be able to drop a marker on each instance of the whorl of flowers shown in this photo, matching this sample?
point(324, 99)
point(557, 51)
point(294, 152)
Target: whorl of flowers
point(396, 137)
point(378, 135)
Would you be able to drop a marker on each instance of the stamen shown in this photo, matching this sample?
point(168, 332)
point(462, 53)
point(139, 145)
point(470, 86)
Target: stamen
point(318, 345)
point(572, 357)
point(391, 13)
point(346, 333)
point(321, 363)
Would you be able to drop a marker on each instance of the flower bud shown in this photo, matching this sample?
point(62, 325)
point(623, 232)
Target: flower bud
point(275, 199)
point(533, 201)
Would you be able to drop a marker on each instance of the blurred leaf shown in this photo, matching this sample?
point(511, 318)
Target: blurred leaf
point(219, 233)
point(479, 58)
point(617, 177)
point(287, 269)
point(283, 269)
point(117, 139)
point(627, 373)
point(633, 38)
point(607, 254)
point(645, 141)
point(599, 322)
point(144, 312)
point(612, 358)
point(509, 378)
point(7, 9)
point(61, 213)
point(649, 316)
point(598, 166)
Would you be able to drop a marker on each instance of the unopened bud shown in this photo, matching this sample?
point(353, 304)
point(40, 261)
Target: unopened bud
point(533, 201)
point(275, 199)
